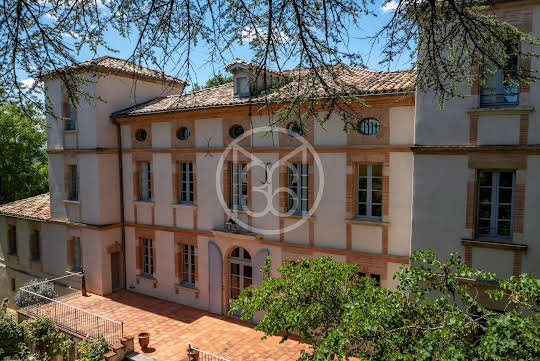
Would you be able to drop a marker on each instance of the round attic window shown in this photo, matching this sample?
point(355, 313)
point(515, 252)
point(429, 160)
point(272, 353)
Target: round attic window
point(369, 126)
point(235, 131)
point(183, 133)
point(140, 135)
point(295, 130)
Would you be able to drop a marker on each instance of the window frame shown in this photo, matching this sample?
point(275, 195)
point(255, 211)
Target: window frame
point(369, 191)
point(494, 205)
point(238, 92)
point(501, 88)
point(145, 185)
point(369, 126)
point(239, 198)
point(77, 255)
point(12, 237)
point(185, 177)
point(147, 254)
point(71, 118)
point(242, 262)
point(189, 265)
point(36, 246)
point(301, 191)
point(374, 276)
point(73, 190)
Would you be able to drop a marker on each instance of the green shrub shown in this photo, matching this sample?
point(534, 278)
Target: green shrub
point(11, 335)
point(23, 299)
point(48, 341)
point(93, 349)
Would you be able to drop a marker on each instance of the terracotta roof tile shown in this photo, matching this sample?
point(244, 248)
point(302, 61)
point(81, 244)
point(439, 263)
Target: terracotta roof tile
point(364, 81)
point(36, 208)
point(122, 66)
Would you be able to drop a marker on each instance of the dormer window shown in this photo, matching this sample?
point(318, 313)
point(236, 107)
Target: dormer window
point(241, 86)
point(251, 79)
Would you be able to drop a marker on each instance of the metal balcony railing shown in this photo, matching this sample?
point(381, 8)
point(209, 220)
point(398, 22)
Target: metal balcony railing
point(499, 97)
point(48, 298)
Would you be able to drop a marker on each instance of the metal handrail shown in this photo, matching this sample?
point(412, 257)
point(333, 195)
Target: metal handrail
point(206, 355)
point(69, 317)
point(73, 307)
point(51, 280)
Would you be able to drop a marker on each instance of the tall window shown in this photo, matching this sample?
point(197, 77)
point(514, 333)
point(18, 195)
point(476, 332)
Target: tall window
point(502, 88)
point(369, 190)
point(188, 265)
point(77, 264)
point(70, 116)
point(185, 181)
point(242, 86)
point(145, 181)
point(73, 184)
point(12, 240)
point(148, 257)
point(297, 196)
point(495, 205)
point(239, 185)
point(240, 271)
point(36, 246)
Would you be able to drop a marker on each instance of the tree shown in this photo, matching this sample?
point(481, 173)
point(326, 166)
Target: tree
point(452, 37)
point(93, 349)
point(47, 339)
point(11, 335)
point(436, 314)
point(217, 79)
point(22, 145)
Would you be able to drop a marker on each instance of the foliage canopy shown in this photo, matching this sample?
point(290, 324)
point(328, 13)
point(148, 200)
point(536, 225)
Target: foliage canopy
point(436, 314)
point(93, 349)
point(217, 79)
point(446, 41)
point(22, 145)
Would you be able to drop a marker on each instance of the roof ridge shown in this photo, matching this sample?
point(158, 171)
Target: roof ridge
point(212, 87)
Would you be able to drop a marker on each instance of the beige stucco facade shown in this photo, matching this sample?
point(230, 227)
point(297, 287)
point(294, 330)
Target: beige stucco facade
point(379, 247)
point(453, 145)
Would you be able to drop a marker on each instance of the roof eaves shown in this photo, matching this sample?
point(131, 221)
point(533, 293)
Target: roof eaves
point(229, 105)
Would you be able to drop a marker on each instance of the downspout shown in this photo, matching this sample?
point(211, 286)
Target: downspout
point(121, 181)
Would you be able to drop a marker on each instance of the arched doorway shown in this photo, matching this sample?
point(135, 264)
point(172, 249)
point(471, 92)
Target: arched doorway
point(240, 271)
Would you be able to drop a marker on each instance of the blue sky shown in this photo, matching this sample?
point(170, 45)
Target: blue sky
point(204, 71)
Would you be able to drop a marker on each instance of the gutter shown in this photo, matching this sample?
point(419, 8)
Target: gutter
point(122, 211)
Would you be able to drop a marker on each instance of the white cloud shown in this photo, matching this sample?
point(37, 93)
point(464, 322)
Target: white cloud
point(250, 34)
point(31, 82)
point(28, 83)
point(389, 6)
point(71, 35)
point(50, 16)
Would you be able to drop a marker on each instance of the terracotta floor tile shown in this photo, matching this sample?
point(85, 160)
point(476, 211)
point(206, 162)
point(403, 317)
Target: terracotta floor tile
point(173, 326)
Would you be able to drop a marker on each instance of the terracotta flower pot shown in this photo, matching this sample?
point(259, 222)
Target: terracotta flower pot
point(144, 340)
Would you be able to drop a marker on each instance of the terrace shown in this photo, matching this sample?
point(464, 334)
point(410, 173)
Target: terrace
point(172, 327)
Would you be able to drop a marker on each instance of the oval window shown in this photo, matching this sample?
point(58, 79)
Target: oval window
point(140, 135)
point(369, 126)
point(236, 131)
point(183, 133)
point(295, 130)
